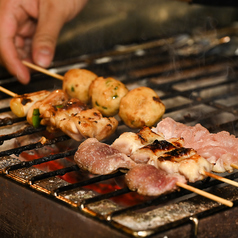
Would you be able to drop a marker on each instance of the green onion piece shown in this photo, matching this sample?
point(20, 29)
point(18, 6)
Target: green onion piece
point(59, 106)
point(115, 96)
point(36, 118)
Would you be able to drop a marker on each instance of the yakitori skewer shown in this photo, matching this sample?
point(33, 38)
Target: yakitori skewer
point(225, 180)
point(234, 166)
point(42, 70)
point(8, 92)
point(205, 194)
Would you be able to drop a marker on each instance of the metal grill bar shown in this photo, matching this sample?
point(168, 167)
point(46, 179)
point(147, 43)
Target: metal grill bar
point(53, 173)
point(104, 196)
point(26, 131)
point(140, 65)
point(20, 149)
point(27, 164)
point(86, 182)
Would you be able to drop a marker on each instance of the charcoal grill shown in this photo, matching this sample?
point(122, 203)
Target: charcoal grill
point(50, 196)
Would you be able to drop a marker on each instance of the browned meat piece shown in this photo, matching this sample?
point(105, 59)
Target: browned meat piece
point(184, 161)
point(73, 117)
point(47, 106)
point(62, 112)
point(100, 158)
point(129, 142)
point(21, 104)
point(88, 124)
point(150, 181)
point(155, 149)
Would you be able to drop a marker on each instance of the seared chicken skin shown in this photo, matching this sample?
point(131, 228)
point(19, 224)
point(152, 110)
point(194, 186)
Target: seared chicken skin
point(168, 155)
point(88, 123)
point(129, 142)
point(72, 117)
point(184, 161)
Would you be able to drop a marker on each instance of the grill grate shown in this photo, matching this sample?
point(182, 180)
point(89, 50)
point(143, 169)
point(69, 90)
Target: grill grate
point(201, 89)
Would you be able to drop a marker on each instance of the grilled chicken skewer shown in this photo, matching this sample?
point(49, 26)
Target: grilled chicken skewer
point(72, 116)
point(143, 177)
point(147, 147)
point(56, 111)
point(111, 96)
point(220, 149)
point(20, 104)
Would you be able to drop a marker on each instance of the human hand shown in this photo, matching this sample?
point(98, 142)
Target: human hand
point(29, 30)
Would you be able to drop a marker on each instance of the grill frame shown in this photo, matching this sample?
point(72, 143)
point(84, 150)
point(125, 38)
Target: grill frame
point(52, 203)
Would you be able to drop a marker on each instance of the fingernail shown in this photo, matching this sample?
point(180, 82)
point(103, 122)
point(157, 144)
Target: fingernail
point(43, 57)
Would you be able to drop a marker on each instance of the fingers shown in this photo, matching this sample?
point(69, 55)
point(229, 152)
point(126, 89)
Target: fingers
point(8, 50)
point(29, 30)
point(16, 30)
point(52, 16)
point(51, 20)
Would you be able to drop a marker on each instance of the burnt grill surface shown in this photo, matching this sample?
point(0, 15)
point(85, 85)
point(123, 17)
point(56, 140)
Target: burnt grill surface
point(197, 83)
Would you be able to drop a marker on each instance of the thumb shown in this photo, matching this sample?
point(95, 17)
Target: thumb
point(48, 28)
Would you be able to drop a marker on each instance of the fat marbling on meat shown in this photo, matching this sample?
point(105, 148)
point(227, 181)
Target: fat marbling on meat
point(220, 149)
point(100, 158)
point(150, 181)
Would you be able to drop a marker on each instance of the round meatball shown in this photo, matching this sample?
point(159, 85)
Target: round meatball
point(106, 94)
point(141, 107)
point(76, 83)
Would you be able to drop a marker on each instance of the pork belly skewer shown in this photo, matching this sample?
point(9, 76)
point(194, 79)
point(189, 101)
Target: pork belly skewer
point(146, 179)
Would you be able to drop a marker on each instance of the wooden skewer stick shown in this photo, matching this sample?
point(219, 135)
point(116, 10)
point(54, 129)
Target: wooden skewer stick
point(42, 70)
point(225, 180)
point(8, 92)
point(205, 194)
point(234, 166)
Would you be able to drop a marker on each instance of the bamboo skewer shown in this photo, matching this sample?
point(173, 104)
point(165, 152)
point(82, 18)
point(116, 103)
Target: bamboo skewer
point(42, 70)
point(234, 166)
point(225, 180)
point(8, 92)
point(205, 194)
